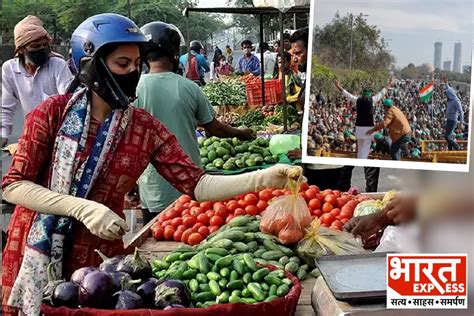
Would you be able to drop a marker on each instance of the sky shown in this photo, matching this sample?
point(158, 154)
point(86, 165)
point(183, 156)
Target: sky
point(411, 26)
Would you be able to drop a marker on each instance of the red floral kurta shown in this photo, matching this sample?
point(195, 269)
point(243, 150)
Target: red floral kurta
point(145, 141)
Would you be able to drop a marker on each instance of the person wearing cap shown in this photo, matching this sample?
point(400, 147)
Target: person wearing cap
point(398, 127)
point(34, 74)
point(382, 144)
point(453, 112)
point(365, 116)
point(180, 105)
point(81, 152)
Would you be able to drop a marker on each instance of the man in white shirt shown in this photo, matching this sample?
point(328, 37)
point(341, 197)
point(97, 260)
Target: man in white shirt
point(33, 75)
point(268, 59)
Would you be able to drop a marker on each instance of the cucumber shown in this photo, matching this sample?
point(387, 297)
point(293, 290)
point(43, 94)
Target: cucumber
point(204, 287)
point(213, 257)
point(273, 280)
point(264, 286)
point(284, 260)
point(246, 293)
point(193, 285)
point(249, 237)
point(256, 292)
point(213, 276)
point(270, 298)
point(187, 255)
point(276, 264)
point(295, 259)
point(236, 293)
point(270, 245)
point(223, 298)
point(272, 255)
point(250, 262)
point(224, 261)
point(204, 265)
point(316, 273)
point(261, 261)
point(260, 274)
point(233, 275)
point(286, 281)
point(223, 243)
point(241, 247)
point(189, 274)
point(224, 272)
point(287, 251)
point(247, 278)
point(258, 253)
point(240, 221)
point(283, 290)
point(278, 273)
point(194, 262)
point(217, 251)
point(172, 257)
point(291, 267)
point(238, 266)
point(233, 235)
point(234, 299)
point(204, 297)
point(252, 246)
point(235, 285)
point(201, 278)
point(184, 248)
point(223, 282)
point(248, 300)
point(301, 273)
point(215, 289)
point(272, 290)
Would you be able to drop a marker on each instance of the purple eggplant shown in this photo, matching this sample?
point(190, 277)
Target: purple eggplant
point(170, 292)
point(123, 281)
point(109, 264)
point(53, 282)
point(66, 294)
point(137, 267)
point(128, 300)
point(96, 290)
point(147, 291)
point(80, 273)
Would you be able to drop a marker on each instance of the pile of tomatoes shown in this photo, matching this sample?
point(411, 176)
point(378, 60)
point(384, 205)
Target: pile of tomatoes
point(190, 222)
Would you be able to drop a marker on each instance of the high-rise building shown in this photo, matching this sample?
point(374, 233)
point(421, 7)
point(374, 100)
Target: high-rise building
point(438, 47)
point(457, 57)
point(447, 65)
point(466, 68)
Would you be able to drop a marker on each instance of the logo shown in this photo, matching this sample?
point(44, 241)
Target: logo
point(426, 281)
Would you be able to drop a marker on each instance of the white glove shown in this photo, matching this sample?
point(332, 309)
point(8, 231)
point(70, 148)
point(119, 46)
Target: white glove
point(215, 188)
point(99, 219)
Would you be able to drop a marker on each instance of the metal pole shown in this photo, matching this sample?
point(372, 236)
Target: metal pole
point(283, 86)
point(262, 72)
point(188, 37)
point(350, 57)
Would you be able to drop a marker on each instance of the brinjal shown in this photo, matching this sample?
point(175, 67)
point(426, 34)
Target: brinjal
point(147, 291)
point(96, 290)
point(128, 300)
point(123, 281)
point(51, 285)
point(134, 265)
point(80, 273)
point(171, 292)
point(109, 264)
point(66, 294)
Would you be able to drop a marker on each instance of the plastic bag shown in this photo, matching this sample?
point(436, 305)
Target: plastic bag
point(287, 216)
point(368, 207)
point(321, 241)
point(281, 144)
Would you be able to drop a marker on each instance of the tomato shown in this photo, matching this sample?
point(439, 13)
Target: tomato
point(262, 205)
point(222, 210)
point(169, 232)
point(335, 212)
point(242, 203)
point(204, 231)
point(239, 211)
point(251, 199)
point(206, 205)
point(177, 235)
point(185, 212)
point(326, 218)
point(166, 223)
point(185, 235)
point(265, 195)
point(314, 187)
point(302, 195)
point(229, 218)
point(231, 206)
point(195, 210)
point(331, 198)
point(327, 207)
point(158, 233)
point(189, 221)
point(277, 192)
point(314, 204)
point(179, 208)
point(178, 204)
point(352, 204)
point(175, 222)
point(216, 221)
point(327, 192)
point(317, 213)
point(304, 186)
point(186, 205)
point(337, 193)
point(251, 210)
point(344, 220)
point(346, 212)
point(194, 239)
point(197, 226)
point(310, 194)
point(203, 218)
point(213, 229)
point(320, 197)
point(184, 199)
point(182, 227)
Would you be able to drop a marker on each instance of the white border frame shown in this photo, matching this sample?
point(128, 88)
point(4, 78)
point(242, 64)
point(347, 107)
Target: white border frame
point(371, 162)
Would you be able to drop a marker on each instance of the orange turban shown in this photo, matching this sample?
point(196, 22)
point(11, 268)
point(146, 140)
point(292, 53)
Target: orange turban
point(28, 30)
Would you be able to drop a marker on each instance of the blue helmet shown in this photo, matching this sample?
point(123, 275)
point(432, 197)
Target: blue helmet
point(102, 29)
point(91, 41)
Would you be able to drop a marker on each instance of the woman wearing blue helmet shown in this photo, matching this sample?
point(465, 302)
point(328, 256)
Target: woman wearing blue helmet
point(80, 153)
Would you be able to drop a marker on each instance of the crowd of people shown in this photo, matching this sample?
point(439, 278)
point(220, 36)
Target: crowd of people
point(332, 121)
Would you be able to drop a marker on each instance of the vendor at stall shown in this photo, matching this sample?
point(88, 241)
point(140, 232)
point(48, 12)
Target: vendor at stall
point(180, 105)
point(248, 63)
point(80, 153)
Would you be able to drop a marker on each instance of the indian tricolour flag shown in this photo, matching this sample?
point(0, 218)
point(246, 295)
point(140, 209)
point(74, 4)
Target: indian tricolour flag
point(426, 93)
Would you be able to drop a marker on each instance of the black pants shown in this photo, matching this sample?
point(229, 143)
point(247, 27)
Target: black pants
point(371, 178)
point(327, 178)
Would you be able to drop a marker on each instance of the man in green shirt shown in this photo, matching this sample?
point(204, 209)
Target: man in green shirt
point(179, 104)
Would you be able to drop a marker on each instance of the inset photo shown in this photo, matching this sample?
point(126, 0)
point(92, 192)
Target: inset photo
point(390, 84)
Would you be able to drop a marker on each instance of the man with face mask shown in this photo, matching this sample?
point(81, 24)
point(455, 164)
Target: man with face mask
point(249, 63)
point(33, 75)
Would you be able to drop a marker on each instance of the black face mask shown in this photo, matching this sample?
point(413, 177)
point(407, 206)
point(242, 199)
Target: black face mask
point(39, 57)
point(128, 83)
